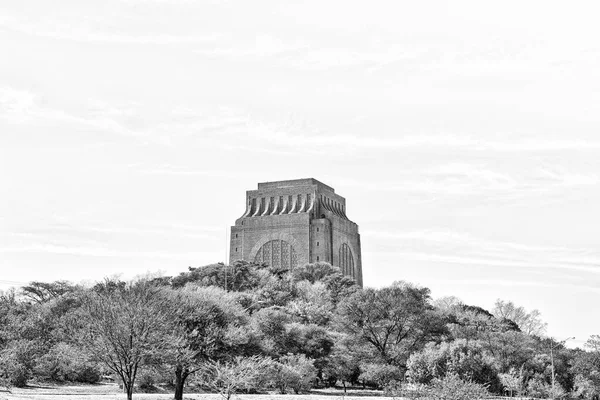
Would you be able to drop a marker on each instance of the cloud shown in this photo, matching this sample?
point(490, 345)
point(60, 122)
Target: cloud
point(462, 178)
point(238, 129)
point(296, 133)
point(13, 101)
point(82, 231)
point(21, 107)
point(4, 282)
point(443, 246)
point(261, 45)
point(236, 124)
point(98, 251)
point(170, 169)
point(81, 29)
point(525, 283)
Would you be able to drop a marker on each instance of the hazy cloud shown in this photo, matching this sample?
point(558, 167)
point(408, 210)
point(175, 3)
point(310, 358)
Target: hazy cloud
point(79, 29)
point(466, 249)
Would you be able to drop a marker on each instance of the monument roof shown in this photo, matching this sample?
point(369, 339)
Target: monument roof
point(293, 183)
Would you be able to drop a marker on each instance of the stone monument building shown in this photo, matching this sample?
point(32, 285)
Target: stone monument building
point(291, 223)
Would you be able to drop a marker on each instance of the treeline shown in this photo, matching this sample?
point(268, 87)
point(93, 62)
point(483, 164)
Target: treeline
point(248, 327)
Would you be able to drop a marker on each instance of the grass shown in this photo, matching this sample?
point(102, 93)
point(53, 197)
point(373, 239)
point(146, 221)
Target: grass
point(111, 391)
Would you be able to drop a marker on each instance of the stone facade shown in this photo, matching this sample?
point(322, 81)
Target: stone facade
point(291, 223)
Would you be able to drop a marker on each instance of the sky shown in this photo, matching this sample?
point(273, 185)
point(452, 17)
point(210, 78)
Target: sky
point(464, 135)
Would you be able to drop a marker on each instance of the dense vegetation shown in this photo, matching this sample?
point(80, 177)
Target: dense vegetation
point(248, 327)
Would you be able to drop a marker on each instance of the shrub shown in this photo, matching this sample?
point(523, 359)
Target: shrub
point(13, 371)
point(67, 363)
point(400, 390)
point(380, 375)
point(302, 372)
point(466, 359)
point(539, 388)
point(450, 387)
point(89, 374)
point(585, 388)
point(292, 371)
point(227, 378)
point(146, 381)
point(13, 374)
point(512, 382)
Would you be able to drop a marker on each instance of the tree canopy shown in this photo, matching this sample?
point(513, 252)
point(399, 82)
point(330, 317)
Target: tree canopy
point(214, 326)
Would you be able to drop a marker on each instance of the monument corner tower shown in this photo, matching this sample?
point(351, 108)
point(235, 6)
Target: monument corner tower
point(291, 223)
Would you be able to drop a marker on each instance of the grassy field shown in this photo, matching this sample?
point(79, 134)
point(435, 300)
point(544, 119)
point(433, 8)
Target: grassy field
point(111, 391)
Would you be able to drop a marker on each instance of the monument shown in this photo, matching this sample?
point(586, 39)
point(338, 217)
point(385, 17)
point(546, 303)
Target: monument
point(291, 223)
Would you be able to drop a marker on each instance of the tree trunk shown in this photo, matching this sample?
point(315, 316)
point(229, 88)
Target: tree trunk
point(129, 388)
point(180, 377)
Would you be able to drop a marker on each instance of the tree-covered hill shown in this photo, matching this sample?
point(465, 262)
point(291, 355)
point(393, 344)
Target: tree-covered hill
point(248, 327)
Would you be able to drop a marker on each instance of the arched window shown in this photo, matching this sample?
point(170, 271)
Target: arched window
point(277, 253)
point(346, 260)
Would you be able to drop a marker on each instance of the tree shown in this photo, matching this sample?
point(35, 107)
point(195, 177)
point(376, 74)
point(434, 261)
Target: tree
point(229, 377)
point(340, 286)
point(342, 365)
point(16, 362)
point(473, 323)
point(512, 382)
point(539, 388)
point(64, 362)
point(453, 387)
point(126, 328)
point(203, 319)
point(529, 323)
point(42, 292)
point(240, 276)
point(314, 272)
point(508, 349)
point(586, 366)
point(293, 371)
point(463, 358)
point(448, 304)
point(395, 321)
point(450, 387)
point(380, 375)
point(313, 304)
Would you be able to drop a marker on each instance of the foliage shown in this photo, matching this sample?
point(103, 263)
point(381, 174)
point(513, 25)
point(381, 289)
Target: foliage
point(509, 349)
point(42, 292)
point(342, 364)
point(465, 359)
point(247, 326)
point(313, 304)
point(394, 321)
point(127, 328)
point(64, 362)
point(529, 323)
point(229, 377)
point(16, 362)
point(12, 371)
point(202, 319)
point(241, 276)
point(586, 366)
point(292, 371)
point(586, 388)
point(512, 382)
point(315, 272)
point(450, 387)
point(380, 375)
point(538, 387)
point(147, 380)
point(473, 323)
